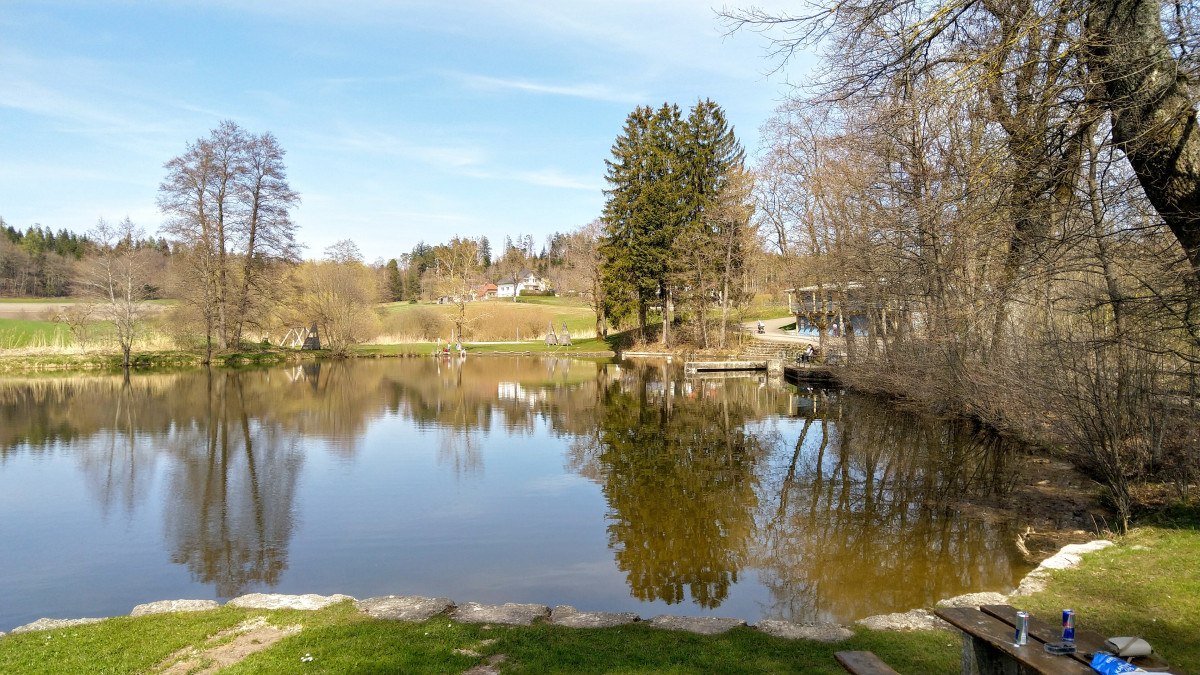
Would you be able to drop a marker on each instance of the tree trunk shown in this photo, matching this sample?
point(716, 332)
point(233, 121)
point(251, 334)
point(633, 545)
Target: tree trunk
point(243, 300)
point(664, 296)
point(1153, 115)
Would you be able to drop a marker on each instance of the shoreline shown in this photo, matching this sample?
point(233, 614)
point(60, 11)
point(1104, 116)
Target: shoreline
point(422, 608)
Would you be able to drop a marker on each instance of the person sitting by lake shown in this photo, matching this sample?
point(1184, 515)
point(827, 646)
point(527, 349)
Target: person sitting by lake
point(808, 354)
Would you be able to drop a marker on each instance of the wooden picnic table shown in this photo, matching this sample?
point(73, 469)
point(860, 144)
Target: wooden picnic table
point(988, 633)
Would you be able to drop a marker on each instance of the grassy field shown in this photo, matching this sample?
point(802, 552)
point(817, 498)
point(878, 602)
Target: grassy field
point(533, 347)
point(1146, 585)
point(406, 326)
point(27, 333)
point(490, 320)
point(33, 300)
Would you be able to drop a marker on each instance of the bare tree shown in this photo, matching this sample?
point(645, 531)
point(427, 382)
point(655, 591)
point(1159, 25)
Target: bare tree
point(457, 272)
point(997, 236)
point(116, 274)
point(582, 271)
point(268, 231)
point(1043, 62)
point(227, 198)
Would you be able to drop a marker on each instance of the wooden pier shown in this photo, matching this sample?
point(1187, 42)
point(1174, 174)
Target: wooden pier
point(715, 366)
point(809, 372)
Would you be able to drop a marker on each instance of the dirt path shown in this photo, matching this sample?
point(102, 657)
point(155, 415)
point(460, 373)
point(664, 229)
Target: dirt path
point(45, 311)
point(226, 648)
point(31, 311)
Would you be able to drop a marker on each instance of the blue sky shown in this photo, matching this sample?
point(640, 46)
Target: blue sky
point(403, 121)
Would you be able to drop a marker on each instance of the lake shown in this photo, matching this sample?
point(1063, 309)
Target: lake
point(608, 486)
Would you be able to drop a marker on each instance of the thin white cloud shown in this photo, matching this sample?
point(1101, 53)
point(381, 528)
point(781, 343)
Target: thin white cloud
point(19, 94)
point(589, 91)
point(453, 156)
point(557, 179)
point(15, 172)
point(92, 98)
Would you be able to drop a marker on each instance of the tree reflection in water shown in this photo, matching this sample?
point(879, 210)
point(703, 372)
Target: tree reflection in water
point(230, 518)
point(116, 467)
point(856, 516)
point(861, 516)
point(679, 472)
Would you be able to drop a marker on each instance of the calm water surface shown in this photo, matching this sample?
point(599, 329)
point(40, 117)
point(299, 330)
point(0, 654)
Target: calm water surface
point(621, 487)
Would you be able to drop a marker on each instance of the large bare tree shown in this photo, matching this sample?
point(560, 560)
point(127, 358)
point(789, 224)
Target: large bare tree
point(1042, 63)
point(228, 204)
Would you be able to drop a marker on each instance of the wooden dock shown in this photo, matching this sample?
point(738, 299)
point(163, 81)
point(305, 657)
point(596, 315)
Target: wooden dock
point(809, 372)
point(715, 366)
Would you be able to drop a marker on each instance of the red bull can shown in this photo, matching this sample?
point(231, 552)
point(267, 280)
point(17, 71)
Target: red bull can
point(1021, 637)
point(1068, 626)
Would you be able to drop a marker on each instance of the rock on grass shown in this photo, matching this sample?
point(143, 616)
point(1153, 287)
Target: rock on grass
point(279, 601)
point(412, 608)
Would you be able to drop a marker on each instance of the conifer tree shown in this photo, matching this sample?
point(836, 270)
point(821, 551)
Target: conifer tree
point(708, 250)
point(662, 235)
point(394, 281)
point(644, 212)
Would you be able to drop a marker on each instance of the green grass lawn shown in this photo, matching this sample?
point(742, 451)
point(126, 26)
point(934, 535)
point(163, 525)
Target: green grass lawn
point(550, 301)
point(22, 333)
point(756, 312)
point(341, 640)
point(1148, 585)
point(366, 645)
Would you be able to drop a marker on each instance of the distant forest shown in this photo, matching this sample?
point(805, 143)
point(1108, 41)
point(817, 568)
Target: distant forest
point(40, 262)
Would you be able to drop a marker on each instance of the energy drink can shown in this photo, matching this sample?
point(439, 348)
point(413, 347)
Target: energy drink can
point(1068, 626)
point(1022, 629)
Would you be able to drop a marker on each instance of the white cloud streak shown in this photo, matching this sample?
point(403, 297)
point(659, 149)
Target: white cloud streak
point(591, 92)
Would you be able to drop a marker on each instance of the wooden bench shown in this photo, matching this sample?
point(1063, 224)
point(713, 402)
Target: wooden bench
point(863, 663)
point(988, 633)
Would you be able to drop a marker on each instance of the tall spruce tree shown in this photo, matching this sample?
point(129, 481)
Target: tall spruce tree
point(708, 249)
point(662, 236)
point(643, 213)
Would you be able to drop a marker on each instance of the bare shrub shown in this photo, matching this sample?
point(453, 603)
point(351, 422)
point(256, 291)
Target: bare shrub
point(1110, 401)
point(183, 325)
point(77, 317)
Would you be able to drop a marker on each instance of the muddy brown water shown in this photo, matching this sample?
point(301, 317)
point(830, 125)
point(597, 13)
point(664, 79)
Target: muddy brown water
point(604, 485)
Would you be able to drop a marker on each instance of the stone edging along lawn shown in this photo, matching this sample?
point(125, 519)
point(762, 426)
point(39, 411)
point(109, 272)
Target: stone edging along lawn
point(418, 608)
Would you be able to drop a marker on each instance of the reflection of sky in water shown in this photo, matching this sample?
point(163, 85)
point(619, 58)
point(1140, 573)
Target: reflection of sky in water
point(488, 482)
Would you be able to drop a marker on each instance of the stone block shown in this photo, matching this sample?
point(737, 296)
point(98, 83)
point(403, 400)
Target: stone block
point(404, 608)
point(819, 632)
point(510, 613)
point(280, 601)
point(165, 606)
point(566, 615)
point(701, 625)
point(51, 624)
